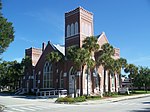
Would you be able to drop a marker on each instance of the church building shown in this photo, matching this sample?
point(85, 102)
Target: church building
point(44, 77)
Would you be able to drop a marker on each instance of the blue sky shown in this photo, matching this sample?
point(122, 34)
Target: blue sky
point(125, 22)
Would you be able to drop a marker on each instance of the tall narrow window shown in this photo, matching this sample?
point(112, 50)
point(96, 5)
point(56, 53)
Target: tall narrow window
point(76, 28)
point(83, 28)
point(86, 29)
point(68, 30)
point(72, 29)
point(89, 30)
point(47, 76)
point(61, 80)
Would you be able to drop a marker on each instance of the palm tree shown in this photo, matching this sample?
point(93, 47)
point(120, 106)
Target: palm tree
point(119, 64)
point(53, 57)
point(107, 62)
point(90, 43)
point(110, 68)
point(79, 56)
point(108, 49)
point(105, 59)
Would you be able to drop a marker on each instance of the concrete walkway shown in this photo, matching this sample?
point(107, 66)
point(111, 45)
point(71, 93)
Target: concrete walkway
point(107, 100)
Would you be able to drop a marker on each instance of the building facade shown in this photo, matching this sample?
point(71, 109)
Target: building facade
point(46, 76)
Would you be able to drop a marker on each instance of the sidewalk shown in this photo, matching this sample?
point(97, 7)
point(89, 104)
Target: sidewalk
point(108, 100)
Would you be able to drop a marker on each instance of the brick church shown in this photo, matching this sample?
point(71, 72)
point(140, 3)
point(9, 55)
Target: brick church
point(45, 77)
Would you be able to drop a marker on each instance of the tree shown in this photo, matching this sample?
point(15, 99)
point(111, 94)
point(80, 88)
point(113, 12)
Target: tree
point(15, 71)
point(80, 57)
point(4, 78)
point(143, 78)
point(53, 57)
point(133, 72)
point(119, 64)
point(26, 62)
point(6, 32)
point(10, 74)
point(105, 59)
point(91, 45)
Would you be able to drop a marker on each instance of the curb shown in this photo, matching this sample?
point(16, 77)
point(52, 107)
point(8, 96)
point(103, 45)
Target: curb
point(147, 95)
point(111, 100)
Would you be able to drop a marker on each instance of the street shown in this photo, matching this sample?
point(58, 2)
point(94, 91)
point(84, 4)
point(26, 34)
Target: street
point(23, 104)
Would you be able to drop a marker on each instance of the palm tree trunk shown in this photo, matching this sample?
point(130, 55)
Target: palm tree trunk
point(120, 81)
point(115, 83)
point(89, 73)
point(74, 86)
point(81, 81)
point(104, 80)
point(109, 83)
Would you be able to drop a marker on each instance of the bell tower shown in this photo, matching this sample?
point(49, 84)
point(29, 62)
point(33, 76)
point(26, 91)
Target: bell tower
point(78, 26)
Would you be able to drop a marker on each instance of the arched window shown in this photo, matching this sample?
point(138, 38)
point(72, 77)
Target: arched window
point(68, 30)
point(76, 28)
point(71, 80)
point(47, 76)
point(97, 78)
point(72, 29)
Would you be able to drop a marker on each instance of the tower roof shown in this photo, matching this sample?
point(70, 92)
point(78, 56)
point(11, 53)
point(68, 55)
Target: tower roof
point(78, 9)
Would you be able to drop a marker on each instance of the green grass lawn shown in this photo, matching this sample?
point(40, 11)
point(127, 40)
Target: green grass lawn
point(141, 92)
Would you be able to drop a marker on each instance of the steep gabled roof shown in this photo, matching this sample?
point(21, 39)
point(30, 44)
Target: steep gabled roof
point(60, 48)
point(57, 47)
point(102, 39)
point(102, 35)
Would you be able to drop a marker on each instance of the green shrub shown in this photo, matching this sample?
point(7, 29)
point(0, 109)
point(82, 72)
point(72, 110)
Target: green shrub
point(80, 99)
point(110, 94)
point(92, 97)
point(71, 100)
point(65, 99)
